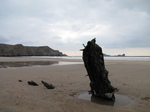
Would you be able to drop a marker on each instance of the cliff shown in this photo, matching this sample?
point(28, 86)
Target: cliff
point(20, 50)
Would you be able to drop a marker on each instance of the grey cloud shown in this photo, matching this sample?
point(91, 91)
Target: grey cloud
point(58, 23)
point(3, 39)
point(138, 5)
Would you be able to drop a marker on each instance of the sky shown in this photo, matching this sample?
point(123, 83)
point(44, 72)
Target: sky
point(119, 26)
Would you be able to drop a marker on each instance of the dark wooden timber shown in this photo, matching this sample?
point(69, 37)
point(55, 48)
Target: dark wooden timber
point(32, 83)
point(98, 75)
point(48, 86)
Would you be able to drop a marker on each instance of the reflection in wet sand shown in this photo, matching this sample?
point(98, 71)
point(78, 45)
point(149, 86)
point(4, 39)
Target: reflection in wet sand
point(120, 100)
point(35, 63)
point(26, 63)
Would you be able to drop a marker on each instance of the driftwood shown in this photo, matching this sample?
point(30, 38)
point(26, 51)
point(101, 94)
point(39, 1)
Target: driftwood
point(48, 86)
point(32, 83)
point(98, 75)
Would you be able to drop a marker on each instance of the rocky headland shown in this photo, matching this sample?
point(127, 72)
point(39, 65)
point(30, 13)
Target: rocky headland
point(20, 50)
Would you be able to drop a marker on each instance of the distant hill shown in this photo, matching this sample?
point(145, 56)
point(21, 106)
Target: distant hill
point(20, 50)
point(105, 54)
point(119, 55)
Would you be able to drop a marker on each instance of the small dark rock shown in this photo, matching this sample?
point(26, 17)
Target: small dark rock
point(32, 83)
point(48, 86)
point(20, 80)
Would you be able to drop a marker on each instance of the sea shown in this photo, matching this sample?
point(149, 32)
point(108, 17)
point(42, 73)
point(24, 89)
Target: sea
point(49, 63)
point(133, 58)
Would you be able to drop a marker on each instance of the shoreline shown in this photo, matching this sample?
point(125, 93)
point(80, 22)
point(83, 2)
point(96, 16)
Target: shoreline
point(70, 58)
point(130, 77)
point(11, 59)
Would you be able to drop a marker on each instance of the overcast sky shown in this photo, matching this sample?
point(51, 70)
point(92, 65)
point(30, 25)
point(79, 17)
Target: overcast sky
point(120, 26)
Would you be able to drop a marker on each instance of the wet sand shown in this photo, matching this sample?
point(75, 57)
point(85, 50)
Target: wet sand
point(132, 78)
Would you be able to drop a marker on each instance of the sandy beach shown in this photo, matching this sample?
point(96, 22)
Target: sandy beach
point(132, 78)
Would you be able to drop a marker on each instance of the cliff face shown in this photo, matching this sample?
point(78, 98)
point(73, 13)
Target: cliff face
point(20, 50)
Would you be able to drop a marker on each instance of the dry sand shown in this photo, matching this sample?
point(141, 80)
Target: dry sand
point(132, 78)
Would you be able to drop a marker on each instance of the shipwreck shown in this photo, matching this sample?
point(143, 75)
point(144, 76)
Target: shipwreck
point(98, 75)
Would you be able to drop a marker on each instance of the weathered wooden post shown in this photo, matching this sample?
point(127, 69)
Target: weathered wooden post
point(98, 75)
